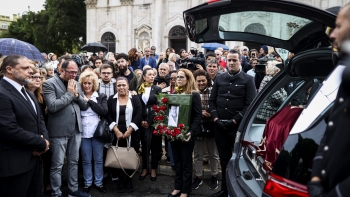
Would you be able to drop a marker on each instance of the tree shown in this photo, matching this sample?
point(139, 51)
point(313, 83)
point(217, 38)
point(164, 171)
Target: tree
point(57, 28)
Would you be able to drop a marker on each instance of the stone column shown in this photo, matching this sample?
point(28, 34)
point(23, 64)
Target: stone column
point(157, 35)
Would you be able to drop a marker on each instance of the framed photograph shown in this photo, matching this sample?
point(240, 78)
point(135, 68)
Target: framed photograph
point(173, 116)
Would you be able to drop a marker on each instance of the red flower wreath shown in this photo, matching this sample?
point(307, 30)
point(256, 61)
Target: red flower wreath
point(160, 123)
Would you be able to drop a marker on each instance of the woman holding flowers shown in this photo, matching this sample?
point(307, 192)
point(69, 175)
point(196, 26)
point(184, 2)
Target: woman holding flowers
point(147, 95)
point(182, 150)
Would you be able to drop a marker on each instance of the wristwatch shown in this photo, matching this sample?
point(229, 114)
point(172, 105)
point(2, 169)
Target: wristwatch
point(77, 95)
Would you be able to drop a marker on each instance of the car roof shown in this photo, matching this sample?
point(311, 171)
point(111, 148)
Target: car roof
point(285, 24)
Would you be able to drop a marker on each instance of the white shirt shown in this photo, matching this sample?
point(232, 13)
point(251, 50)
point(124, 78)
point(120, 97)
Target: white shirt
point(251, 72)
point(89, 119)
point(18, 87)
point(145, 95)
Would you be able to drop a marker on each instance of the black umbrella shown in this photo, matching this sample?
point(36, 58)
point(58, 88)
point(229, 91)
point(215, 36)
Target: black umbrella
point(93, 47)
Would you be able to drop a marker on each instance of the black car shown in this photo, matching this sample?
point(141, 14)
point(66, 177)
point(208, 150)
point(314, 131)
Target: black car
point(310, 81)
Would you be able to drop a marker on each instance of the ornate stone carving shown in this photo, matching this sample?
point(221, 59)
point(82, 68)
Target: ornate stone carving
point(126, 2)
point(90, 3)
point(177, 32)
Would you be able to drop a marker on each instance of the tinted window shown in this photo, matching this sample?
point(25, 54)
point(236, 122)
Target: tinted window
point(276, 25)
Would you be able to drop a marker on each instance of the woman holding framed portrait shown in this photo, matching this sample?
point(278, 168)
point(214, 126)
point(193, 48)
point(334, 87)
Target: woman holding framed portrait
point(182, 150)
point(147, 94)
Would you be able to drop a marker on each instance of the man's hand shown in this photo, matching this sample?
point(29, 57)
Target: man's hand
point(199, 66)
point(36, 153)
point(234, 121)
point(71, 86)
point(133, 93)
point(47, 146)
point(315, 188)
point(220, 124)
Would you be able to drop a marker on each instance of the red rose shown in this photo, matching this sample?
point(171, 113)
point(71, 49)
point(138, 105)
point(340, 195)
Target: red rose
point(173, 134)
point(159, 127)
point(181, 126)
point(155, 132)
point(154, 107)
point(164, 127)
point(161, 118)
point(177, 131)
point(168, 132)
point(163, 107)
point(160, 131)
point(164, 100)
point(156, 118)
point(157, 110)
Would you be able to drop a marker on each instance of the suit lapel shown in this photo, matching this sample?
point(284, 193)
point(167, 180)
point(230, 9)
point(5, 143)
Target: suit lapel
point(36, 106)
point(151, 95)
point(15, 92)
point(60, 83)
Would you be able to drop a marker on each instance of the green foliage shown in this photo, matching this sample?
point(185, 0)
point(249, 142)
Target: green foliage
point(55, 29)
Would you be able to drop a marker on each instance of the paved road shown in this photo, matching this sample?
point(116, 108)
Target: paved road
point(159, 188)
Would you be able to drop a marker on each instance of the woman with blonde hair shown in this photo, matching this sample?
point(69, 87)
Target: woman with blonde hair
point(182, 150)
point(91, 147)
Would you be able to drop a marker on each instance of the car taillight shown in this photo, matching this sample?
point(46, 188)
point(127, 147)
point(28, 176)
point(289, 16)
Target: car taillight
point(215, 1)
point(279, 186)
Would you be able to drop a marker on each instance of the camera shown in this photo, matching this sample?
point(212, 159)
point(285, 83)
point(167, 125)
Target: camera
point(253, 55)
point(190, 63)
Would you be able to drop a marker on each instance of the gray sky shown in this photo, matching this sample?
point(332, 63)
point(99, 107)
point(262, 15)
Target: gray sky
point(10, 7)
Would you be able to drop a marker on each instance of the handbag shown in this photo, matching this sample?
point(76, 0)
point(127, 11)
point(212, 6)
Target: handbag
point(123, 158)
point(102, 131)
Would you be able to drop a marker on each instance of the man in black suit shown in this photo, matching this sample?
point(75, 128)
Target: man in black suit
point(23, 135)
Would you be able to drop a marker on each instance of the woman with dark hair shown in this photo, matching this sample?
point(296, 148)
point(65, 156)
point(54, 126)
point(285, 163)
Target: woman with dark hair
point(182, 59)
point(205, 139)
point(147, 94)
point(167, 53)
point(133, 58)
point(182, 150)
point(124, 118)
point(36, 87)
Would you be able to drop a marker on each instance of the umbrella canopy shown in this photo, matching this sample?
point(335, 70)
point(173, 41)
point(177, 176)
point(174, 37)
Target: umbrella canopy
point(94, 46)
point(11, 46)
point(214, 45)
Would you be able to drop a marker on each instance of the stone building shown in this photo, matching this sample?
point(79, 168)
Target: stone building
point(5, 22)
point(124, 24)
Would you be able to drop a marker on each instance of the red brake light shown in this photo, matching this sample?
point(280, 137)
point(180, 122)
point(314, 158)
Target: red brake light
point(279, 186)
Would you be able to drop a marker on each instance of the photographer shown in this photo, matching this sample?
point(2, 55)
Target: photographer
point(195, 62)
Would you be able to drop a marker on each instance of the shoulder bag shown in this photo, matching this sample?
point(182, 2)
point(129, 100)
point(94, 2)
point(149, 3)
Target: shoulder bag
point(102, 131)
point(123, 158)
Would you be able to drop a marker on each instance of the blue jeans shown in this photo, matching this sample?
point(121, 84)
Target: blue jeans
point(92, 148)
point(60, 147)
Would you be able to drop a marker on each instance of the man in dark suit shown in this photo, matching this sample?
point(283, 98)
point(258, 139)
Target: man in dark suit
point(23, 135)
point(148, 60)
point(231, 95)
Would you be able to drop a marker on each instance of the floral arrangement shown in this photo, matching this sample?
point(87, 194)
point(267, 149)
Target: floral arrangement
point(161, 120)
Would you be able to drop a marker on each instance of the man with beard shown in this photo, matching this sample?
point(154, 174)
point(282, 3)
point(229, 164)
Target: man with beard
point(162, 80)
point(122, 62)
point(330, 171)
point(23, 135)
point(232, 93)
point(64, 99)
point(106, 82)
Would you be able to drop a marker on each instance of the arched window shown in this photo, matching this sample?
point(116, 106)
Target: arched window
point(178, 38)
point(108, 39)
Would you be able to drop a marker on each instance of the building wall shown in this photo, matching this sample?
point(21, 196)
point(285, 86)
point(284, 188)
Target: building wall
point(5, 22)
point(141, 23)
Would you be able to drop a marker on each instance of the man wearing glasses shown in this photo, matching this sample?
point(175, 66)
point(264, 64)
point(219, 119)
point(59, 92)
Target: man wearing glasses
point(107, 83)
point(64, 99)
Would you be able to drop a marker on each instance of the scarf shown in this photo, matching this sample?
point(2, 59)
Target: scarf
point(178, 90)
point(143, 86)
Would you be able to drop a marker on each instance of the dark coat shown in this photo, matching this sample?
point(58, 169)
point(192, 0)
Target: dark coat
point(100, 107)
point(20, 131)
point(160, 80)
point(147, 114)
point(136, 117)
point(231, 96)
point(331, 163)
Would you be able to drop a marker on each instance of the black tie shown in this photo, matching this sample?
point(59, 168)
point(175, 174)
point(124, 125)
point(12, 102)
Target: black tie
point(25, 95)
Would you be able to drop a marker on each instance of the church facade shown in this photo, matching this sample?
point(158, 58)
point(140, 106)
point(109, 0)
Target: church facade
point(123, 24)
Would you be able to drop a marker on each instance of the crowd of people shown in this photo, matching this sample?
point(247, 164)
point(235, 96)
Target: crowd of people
point(50, 111)
point(75, 92)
